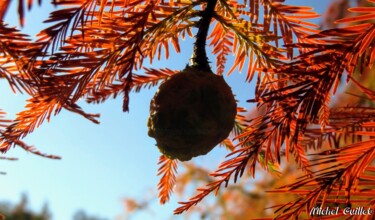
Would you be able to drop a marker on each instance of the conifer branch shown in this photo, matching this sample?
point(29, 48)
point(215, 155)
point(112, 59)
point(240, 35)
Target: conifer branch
point(199, 58)
point(167, 171)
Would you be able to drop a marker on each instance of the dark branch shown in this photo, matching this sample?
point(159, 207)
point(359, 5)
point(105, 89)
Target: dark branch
point(199, 58)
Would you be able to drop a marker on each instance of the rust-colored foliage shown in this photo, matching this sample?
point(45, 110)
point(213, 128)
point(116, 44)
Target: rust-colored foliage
point(168, 170)
point(93, 50)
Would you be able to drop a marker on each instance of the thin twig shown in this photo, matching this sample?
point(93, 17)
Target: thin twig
point(199, 58)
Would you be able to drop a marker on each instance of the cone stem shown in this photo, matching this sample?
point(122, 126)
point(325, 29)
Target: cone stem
point(199, 58)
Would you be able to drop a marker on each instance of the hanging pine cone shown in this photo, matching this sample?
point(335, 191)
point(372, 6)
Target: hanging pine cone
point(191, 113)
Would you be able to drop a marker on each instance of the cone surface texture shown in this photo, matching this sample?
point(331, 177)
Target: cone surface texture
point(191, 113)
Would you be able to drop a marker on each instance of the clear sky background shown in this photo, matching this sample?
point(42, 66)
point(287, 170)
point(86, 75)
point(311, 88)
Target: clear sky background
point(101, 163)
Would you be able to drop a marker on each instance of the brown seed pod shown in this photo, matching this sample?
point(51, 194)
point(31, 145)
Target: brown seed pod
point(191, 113)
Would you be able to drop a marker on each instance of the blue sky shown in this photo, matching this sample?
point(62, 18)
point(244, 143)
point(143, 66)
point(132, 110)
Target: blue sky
point(101, 163)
